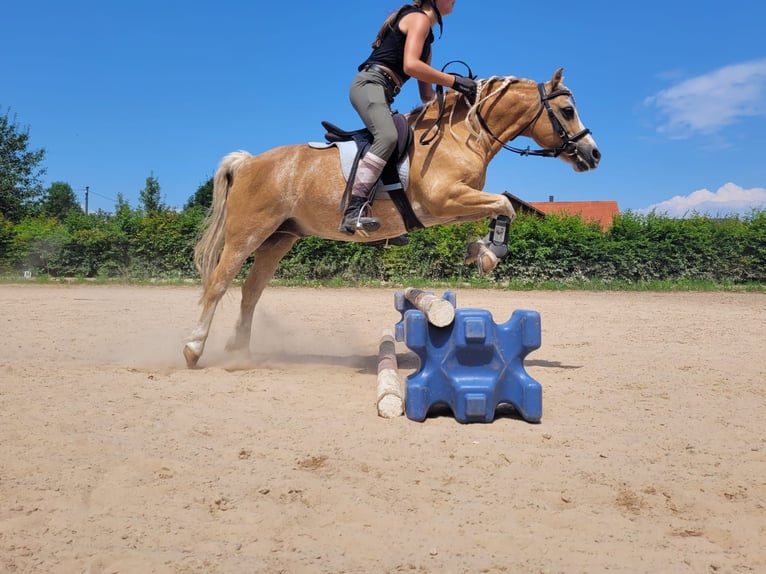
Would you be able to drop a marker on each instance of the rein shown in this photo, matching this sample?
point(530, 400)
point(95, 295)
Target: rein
point(424, 138)
point(567, 141)
point(436, 126)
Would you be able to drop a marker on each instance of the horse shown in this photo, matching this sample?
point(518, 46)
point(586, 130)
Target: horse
point(264, 204)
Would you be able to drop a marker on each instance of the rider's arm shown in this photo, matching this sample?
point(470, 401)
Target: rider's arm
point(427, 92)
point(416, 26)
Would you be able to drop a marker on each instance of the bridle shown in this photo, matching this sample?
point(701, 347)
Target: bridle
point(567, 142)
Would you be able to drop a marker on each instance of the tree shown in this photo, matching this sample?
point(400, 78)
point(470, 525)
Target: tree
point(37, 243)
point(19, 171)
point(59, 200)
point(150, 199)
point(203, 197)
point(7, 235)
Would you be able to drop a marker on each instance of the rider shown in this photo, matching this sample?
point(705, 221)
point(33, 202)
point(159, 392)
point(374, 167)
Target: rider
point(401, 50)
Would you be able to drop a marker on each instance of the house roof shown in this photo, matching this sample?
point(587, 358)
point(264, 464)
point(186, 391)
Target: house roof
point(521, 206)
point(600, 211)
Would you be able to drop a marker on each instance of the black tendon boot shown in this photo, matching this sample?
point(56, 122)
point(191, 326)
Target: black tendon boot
point(354, 218)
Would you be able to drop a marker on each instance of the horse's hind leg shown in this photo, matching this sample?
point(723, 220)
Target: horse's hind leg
point(267, 258)
point(229, 264)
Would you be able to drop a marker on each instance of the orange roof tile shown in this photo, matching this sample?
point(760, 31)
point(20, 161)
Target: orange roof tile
point(600, 211)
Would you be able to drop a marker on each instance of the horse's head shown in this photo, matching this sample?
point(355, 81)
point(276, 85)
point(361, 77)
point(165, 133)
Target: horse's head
point(508, 107)
point(559, 130)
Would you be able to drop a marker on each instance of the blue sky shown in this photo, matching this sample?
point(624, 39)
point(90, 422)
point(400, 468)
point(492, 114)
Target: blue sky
point(674, 92)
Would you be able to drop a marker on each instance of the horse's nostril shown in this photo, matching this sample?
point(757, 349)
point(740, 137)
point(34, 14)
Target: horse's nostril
point(596, 154)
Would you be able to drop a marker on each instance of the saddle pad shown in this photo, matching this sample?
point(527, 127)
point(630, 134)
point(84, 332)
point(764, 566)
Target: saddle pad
point(347, 152)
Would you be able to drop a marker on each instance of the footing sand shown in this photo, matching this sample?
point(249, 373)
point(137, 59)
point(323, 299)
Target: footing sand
point(114, 458)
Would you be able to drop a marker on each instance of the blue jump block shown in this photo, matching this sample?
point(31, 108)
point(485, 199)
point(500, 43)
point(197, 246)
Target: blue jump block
point(402, 305)
point(472, 365)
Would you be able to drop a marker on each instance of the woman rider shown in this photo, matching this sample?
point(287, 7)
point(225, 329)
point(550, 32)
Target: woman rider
point(401, 50)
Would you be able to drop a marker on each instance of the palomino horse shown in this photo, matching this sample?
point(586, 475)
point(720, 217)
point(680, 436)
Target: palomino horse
point(264, 204)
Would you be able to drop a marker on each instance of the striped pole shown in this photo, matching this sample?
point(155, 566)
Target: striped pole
point(390, 401)
point(438, 311)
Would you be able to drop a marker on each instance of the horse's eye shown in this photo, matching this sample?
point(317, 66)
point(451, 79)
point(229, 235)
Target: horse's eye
point(568, 112)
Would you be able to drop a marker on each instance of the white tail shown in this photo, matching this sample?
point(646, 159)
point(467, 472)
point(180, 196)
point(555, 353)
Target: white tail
point(208, 249)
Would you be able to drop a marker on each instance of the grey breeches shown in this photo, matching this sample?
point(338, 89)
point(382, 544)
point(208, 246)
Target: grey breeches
point(371, 98)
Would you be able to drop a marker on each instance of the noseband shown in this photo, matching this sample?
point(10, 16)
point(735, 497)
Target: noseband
point(567, 142)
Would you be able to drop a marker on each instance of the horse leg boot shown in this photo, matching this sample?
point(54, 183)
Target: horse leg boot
point(367, 174)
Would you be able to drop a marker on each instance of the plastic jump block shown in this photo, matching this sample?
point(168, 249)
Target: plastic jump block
point(473, 365)
point(402, 305)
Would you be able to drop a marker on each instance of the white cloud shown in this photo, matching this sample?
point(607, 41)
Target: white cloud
point(730, 199)
point(705, 104)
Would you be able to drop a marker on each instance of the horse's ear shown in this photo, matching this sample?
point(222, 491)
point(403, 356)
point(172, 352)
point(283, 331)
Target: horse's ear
point(558, 78)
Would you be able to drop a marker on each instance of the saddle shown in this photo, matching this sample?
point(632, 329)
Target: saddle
point(390, 178)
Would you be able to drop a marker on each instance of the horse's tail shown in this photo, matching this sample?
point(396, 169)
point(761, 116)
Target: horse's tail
point(208, 249)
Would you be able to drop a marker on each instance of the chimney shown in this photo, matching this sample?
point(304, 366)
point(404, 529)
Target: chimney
point(550, 199)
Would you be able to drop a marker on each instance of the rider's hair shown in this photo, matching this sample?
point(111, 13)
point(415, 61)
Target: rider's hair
point(391, 20)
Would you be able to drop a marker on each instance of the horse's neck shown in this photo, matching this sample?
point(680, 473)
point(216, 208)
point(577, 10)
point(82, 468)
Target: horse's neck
point(447, 131)
point(509, 111)
point(506, 111)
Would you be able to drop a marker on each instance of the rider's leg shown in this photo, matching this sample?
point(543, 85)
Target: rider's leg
point(371, 101)
point(367, 174)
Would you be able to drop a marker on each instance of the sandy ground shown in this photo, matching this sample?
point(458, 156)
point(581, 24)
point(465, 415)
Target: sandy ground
point(650, 457)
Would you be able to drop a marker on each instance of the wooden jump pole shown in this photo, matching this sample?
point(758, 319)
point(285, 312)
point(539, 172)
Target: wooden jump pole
point(438, 311)
point(390, 401)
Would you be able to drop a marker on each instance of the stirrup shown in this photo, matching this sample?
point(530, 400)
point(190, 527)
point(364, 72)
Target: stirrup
point(363, 225)
point(355, 221)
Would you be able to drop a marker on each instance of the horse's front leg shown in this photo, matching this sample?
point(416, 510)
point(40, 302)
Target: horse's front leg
point(267, 258)
point(475, 204)
point(487, 251)
point(480, 252)
point(461, 202)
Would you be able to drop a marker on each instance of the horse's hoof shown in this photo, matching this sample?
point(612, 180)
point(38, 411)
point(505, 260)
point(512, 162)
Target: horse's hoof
point(486, 262)
point(238, 348)
point(191, 358)
point(472, 252)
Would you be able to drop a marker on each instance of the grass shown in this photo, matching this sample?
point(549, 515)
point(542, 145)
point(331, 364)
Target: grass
point(680, 285)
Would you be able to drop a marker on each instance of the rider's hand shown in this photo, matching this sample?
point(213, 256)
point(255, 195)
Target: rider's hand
point(465, 86)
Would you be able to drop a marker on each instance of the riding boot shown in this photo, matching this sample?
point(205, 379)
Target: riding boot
point(367, 173)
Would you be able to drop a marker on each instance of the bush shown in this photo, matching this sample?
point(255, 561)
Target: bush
point(636, 249)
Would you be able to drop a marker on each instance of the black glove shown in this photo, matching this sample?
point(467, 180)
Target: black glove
point(465, 86)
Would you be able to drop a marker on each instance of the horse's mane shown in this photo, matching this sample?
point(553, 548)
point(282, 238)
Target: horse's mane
point(485, 89)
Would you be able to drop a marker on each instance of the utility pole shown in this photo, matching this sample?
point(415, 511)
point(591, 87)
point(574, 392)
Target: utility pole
point(87, 189)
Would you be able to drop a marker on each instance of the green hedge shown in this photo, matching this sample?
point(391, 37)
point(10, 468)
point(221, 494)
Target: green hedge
point(636, 249)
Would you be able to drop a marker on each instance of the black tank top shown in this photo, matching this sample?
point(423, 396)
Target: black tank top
point(390, 53)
